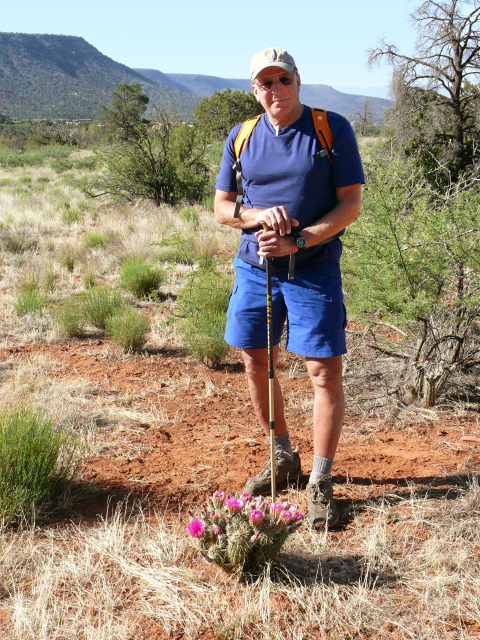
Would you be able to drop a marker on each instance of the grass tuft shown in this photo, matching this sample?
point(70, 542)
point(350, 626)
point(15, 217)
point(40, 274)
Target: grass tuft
point(29, 301)
point(128, 329)
point(100, 303)
point(141, 278)
point(38, 463)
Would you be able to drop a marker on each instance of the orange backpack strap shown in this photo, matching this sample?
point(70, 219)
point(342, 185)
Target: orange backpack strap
point(238, 146)
point(322, 128)
point(244, 134)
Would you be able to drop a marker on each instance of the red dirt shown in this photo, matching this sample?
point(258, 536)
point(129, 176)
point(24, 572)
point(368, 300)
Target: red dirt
point(203, 435)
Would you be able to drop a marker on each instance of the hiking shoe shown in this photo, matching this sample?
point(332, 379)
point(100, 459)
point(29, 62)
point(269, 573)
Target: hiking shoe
point(286, 471)
point(321, 505)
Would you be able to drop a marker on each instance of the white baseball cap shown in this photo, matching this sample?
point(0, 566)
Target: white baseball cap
point(271, 57)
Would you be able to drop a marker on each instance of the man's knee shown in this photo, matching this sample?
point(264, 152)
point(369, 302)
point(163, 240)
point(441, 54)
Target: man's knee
point(326, 374)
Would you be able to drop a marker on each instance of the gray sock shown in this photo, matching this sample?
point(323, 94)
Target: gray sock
point(321, 467)
point(282, 443)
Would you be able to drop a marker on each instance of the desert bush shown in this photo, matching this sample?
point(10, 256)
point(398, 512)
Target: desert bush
point(128, 329)
point(202, 303)
point(94, 239)
point(38, 463)
point(29, 301)
point(70, 317)
point(68, 257)
point(100, 303)
point(140, 278)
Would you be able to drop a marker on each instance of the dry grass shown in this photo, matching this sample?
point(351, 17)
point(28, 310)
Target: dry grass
point(409, 573)
point(404, 569)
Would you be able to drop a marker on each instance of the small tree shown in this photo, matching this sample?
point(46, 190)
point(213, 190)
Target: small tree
point(364, 117)
point(160, 160)
point(436, 108)
point(216, 116)
point(413, 259)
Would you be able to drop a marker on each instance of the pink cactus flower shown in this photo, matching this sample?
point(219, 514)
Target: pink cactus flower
point(286, 516)
point(276, 509)
point(246, 497)
point(196, 528)
point(234, 505)
point(218, 499)
point(297, 516)
point(256, 517)
point(217, 531)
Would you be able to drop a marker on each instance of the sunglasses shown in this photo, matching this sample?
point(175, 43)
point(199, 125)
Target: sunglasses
point(266, 83)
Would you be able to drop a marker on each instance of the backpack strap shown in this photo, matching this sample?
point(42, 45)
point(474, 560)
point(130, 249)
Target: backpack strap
point(320, 122)
point(238, 146)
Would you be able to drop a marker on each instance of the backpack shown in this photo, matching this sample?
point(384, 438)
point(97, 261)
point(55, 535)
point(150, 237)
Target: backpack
point(325, 137)
point(324, 134)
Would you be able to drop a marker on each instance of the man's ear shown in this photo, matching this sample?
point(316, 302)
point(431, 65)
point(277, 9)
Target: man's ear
point(255, 92)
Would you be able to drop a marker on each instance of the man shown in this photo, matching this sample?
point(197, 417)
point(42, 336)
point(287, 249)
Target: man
point(306, 202)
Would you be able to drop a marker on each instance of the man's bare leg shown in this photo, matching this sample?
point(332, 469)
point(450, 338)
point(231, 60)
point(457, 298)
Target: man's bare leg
point(328, 415)
point(256, 368)
point(287, 462)
point(329, 404)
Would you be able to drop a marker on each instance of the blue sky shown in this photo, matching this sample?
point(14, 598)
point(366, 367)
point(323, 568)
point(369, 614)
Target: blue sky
point(218, 38)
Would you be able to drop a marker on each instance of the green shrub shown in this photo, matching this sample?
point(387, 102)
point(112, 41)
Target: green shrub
point(128, 329)
point(61, 165)
point(202, 337)
point(38, 463)
point(95, 239)
point(203, 302)
point(70, 216)
point(140, 278)
point(29, 302)
point(90, 163)
point(100, 303)
point(190, 217)
point(70, 317)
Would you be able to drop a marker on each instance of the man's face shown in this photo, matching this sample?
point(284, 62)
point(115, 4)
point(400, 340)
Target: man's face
point(279, 101)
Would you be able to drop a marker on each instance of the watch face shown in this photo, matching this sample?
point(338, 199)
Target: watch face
point(300, 240)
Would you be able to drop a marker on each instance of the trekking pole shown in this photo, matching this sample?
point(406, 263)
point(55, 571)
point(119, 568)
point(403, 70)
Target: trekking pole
point(271, 375)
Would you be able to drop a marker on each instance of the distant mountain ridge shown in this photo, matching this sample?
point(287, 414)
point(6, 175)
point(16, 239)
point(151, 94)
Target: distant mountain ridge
point(315, 95)
point(65, 77)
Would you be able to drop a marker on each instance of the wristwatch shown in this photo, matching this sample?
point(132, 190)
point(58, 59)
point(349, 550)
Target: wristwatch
point(299, 241)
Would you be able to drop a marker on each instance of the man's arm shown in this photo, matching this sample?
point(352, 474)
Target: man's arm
point(346, 211)
point(275, 218)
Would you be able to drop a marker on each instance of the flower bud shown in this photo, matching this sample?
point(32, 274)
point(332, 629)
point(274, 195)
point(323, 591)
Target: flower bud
point(256, 517)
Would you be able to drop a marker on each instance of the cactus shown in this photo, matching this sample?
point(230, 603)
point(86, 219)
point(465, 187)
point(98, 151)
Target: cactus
point(243, 534)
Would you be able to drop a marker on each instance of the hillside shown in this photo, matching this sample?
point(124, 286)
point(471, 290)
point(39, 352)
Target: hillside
point(56, 76)
point(320, 95)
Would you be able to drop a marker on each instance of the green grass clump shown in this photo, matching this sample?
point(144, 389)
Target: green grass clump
point(38, 463)
point(16, 240)
point(70, 216)
point(94, 239)
point(70, 317)
point(202, 303)
point(140, 278)
point(190, 217)
point(202, 337)
point(100, 303)
point(207, 203)
point(29, 301)
point(128, 329)
point(90, 163)
point(67, 259)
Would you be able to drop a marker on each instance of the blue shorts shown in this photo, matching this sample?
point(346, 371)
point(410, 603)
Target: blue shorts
point(312, 305)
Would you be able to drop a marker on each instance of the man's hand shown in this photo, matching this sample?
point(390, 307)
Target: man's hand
point(273, 245)
point(277, 219)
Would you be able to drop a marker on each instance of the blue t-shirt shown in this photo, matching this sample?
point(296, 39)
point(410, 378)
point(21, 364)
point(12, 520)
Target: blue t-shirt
point(282, 171)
